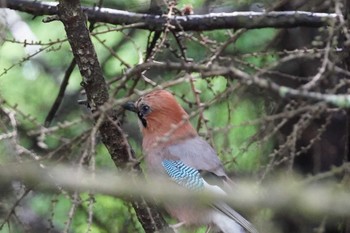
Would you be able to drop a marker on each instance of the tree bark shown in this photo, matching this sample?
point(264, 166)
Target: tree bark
point(73, 18)
point(212, 21)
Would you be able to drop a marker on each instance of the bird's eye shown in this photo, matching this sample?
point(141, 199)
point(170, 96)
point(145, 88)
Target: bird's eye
point(145, 109)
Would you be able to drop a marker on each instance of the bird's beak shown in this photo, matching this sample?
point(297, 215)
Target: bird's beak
point(130, 106)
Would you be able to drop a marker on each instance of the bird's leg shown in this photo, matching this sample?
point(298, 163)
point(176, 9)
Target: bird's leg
point(176, 226)
point(208, 229)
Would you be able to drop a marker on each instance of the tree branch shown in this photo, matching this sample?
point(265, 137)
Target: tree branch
point(339, 100)
point(309, 197)
point(54, 108)
point(212, 21)
point(74, 21)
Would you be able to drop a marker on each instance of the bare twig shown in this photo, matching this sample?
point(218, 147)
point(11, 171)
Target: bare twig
point(54, 108)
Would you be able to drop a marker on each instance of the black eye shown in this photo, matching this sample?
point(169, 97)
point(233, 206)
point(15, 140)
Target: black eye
point(145, 109)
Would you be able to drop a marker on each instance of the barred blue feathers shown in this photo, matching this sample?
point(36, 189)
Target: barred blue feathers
point(183, 175)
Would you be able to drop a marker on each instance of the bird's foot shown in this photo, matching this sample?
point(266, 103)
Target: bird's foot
point(208, 229)
point(176, 226)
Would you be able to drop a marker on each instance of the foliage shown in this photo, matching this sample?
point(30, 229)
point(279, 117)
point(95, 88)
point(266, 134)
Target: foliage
point(254, 130)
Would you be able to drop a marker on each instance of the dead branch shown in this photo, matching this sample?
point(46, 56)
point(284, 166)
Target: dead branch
point(212, 21)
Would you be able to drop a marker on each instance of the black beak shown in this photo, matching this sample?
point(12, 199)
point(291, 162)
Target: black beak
point(130, 106)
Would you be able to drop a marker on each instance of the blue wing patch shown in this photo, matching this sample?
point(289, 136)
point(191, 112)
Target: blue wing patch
point(183, 175)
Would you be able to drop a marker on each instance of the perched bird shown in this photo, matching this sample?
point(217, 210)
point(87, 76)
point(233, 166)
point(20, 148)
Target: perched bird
point(174, 149)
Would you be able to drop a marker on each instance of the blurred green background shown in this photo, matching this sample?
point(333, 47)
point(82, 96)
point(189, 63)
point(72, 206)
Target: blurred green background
point(34, 57)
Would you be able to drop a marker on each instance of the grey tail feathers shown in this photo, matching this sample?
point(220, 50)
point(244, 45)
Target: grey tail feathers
point(231, 213)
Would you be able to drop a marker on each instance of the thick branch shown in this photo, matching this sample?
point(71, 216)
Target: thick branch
point(73, 18)
point(310, 197)
point(212, 21)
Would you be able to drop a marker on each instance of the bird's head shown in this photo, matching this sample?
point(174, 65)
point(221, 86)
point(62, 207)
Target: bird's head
point(162, 119)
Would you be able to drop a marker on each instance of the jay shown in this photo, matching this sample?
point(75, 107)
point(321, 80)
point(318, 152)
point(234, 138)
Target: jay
point(173, 149)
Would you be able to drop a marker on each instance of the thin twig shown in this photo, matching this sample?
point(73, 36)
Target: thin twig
point(54, 108)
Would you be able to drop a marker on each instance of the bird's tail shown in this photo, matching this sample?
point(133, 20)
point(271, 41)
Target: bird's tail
point(229, 221)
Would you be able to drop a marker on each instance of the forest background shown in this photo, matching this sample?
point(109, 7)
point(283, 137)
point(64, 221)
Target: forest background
point(265, 83)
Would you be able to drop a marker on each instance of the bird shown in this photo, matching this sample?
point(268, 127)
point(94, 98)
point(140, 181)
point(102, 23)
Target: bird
point(173, 149)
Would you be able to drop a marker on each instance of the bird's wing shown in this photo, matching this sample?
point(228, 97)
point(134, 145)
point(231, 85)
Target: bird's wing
point(190, 178)
point(197, 153)
point(183, 175)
